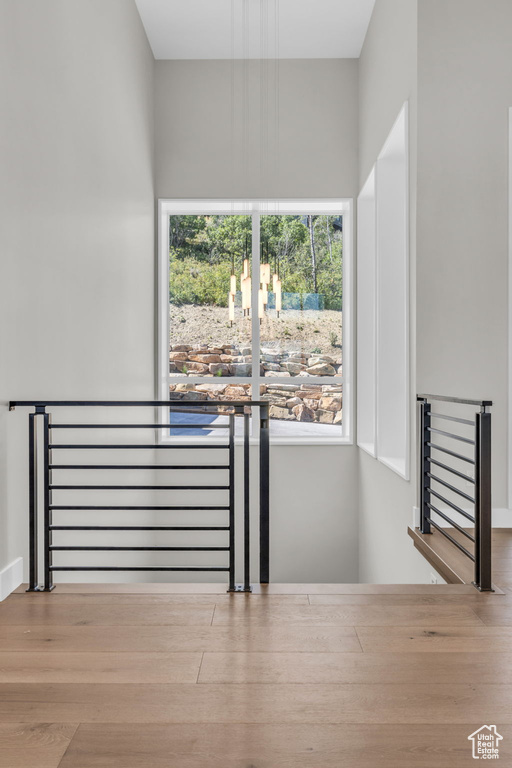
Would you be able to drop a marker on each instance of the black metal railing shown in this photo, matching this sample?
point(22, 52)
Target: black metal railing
point(43, 490)
point(458, 457)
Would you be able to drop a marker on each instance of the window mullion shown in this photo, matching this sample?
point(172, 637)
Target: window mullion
point(255, 322)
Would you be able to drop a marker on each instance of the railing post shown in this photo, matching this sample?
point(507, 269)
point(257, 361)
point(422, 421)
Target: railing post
point(47, 496)
point(33, 507)
point(231, 502)
point(247, 506)
point(483, 503)
point(264, 495)
point(424, 434)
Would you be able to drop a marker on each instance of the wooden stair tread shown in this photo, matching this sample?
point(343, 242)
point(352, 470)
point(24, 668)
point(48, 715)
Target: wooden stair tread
point(447, 560)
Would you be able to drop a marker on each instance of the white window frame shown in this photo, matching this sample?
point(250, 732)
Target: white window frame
point(256, 208)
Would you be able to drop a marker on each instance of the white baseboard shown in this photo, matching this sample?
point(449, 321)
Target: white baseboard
point(11, 577)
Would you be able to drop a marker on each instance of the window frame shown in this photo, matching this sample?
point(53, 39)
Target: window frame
point(256, 208)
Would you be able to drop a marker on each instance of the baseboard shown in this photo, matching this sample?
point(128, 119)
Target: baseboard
point(11, 577)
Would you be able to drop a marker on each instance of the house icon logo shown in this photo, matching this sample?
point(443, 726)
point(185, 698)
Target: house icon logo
point(486, 743)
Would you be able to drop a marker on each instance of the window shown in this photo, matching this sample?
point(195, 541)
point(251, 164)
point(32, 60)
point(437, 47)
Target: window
point(255, 303)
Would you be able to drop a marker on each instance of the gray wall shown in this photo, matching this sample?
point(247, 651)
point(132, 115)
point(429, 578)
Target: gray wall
point(77, 207)
point(465, 91)
point(301, 144)
point(387, 78)
point(313, 488)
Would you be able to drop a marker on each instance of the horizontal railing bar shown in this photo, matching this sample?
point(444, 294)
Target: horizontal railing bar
point(138, 426)
point(132, 403)
point(145, 446)
point(138, 549)
point(450, 469)
point(451, 435)
point(452, 505)
point(134, 568)
point(453, 418)
point(452, 522)
point(451, 487)
point(139, 466)
point(139, 528)
point(71, 508)
point(138, 487)
point(459, 400)
point(451, 453)
point(453, 541)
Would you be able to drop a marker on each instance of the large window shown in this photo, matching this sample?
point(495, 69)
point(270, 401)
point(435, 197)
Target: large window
point(255, 303)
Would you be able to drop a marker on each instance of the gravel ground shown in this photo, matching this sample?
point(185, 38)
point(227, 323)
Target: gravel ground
point(308, 330)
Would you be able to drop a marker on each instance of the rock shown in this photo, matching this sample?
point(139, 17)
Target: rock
point(209, 358)
point(281, 374)
point(321, 369)
point(174, 356)
point(271, 367)
point(293, 401)
point(185, 387)
point(330, 402)
point(283, 387)
point(192, 395)
point(172, 368)
point(195, 368)
point(270, 358)
point(213, 389)
point(172, 387)
point(325, 417)
point(214, 351)
point(245, 350)
point(224, 368)
point(181, 348)
point(314, 359)
point(294, 367)
point(280, 413)
point(312, 386)
point(303, 413)
point(310, 403)
point(263, 389)
point(226, 358)
point(280, 401)
point(281, 392)
point(311, 394)
point(298, 360)
point(235, 392)
point(338, 417)
point(240, 369)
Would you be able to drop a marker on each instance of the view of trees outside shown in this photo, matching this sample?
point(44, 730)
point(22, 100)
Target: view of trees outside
point(299, 306)
point(304, 338)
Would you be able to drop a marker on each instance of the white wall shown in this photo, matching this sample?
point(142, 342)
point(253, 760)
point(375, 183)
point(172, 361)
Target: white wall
point(388, 78)
point(313, 488)
point(77, 208)
point(465, 91)
point(309, 151)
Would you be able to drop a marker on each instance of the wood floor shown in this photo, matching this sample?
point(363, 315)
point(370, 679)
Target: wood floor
point(295, 676)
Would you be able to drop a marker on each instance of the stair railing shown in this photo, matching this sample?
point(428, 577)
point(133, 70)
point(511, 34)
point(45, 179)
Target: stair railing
point(44, 491)
point(465, 457)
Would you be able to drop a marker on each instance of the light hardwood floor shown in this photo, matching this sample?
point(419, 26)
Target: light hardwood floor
point(293, 676)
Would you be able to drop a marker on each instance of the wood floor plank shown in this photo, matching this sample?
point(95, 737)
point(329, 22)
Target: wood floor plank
point(258, 703)
point(276, 746)
point(351, 615)
point(108, 598)
point(52, 613)
point(439, 639)
point(479, 598)
point(492, 614)
point(57, 667)
point(165, 639)
point(34, 745)
point(377, 668)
